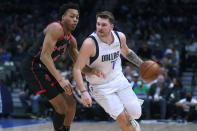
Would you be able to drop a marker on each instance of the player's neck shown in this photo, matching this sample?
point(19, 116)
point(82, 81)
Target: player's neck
point(66, 30)
point(109, 39)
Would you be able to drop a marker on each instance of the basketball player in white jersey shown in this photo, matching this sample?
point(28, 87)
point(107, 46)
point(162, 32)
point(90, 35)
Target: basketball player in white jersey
point(101, 50)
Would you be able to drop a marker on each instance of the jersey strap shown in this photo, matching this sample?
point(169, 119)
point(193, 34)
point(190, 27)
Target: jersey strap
point(118, 38)
point(92, 59)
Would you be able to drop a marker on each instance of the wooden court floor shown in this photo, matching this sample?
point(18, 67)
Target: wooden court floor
point(105, 126)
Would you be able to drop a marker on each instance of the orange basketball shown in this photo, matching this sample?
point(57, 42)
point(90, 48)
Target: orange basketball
point(149, 70)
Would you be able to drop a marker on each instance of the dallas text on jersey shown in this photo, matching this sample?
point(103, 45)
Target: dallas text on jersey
point(110, 57)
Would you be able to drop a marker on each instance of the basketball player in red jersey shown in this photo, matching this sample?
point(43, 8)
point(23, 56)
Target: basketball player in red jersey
point(39, 66)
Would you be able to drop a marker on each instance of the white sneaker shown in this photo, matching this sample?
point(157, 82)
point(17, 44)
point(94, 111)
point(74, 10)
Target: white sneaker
point(135, 124)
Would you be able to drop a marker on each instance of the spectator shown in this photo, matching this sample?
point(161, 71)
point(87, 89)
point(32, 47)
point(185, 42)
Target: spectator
point(6, 100)
point(175, 53)
point(20, 53)
point(186, 107)
point(191, 49)
point(192, 33)
point(157, 98)
point(157, 53)
point(27, 96)
point(134, 80)
point(144, 52)
point(4, 56)
point(170, 62)
point(141, 90)
point(176, 93)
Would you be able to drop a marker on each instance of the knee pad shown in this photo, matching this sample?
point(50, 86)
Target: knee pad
point(58, 120)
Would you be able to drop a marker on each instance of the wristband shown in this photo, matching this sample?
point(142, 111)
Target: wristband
point(84, 91)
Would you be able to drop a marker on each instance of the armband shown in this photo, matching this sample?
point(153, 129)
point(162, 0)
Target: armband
point(84, 91)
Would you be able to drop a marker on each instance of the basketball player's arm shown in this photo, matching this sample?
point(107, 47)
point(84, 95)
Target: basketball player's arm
point(82, 60)
point(52, 33)
point(73, 53)
point(128, 53)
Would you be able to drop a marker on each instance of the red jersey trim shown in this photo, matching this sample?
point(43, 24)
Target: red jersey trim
point(53, 84)
point(71, 39)
point(36, 77)
point(40, 92)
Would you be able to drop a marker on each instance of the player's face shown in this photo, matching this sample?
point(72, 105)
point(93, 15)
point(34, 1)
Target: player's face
point(71, 19)
point(103, 27)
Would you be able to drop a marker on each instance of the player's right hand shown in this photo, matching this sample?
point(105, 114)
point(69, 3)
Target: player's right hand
point(86, 99)
point(65, 84)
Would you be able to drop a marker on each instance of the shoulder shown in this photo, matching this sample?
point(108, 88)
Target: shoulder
point(89, 42)
point(121, 35)
point(54, 28)
point(89, 47)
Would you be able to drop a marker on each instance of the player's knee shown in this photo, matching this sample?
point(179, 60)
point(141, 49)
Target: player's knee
point(135, 112)
point(60, 109)
point(71, 105)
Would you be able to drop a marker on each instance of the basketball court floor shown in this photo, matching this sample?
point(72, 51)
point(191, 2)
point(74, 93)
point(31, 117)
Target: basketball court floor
point(46, 125)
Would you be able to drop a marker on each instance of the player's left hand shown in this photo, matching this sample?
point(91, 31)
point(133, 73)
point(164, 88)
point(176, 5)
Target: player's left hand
point(98, 73)
point(86, 99)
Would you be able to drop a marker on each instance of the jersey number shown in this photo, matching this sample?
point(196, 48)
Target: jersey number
point(113, 64)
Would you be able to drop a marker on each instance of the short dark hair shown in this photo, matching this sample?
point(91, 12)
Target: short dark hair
point(106, 15)
point(67, 6)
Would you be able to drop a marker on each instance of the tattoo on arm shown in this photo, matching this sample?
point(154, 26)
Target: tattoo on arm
point(133, 58)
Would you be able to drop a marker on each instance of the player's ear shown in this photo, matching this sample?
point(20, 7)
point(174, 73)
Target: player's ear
point(112, 26)
point(62, 17)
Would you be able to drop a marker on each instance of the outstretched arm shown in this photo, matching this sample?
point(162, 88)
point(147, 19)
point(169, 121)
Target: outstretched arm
point(128, 53)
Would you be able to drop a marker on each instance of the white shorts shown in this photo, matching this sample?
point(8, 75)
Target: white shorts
point(117, 96)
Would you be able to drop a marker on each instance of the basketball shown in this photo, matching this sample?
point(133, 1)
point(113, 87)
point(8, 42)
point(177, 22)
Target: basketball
point(149, 70)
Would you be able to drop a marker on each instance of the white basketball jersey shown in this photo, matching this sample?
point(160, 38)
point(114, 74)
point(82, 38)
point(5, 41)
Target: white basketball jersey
point(107, 60)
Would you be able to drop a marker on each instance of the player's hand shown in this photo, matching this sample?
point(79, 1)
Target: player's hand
point(86, 99)
point(65, 84)
point(184, 106)
point(98, 73)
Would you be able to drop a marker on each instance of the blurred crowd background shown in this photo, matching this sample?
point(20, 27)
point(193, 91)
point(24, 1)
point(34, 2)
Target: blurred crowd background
point(162, 30)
